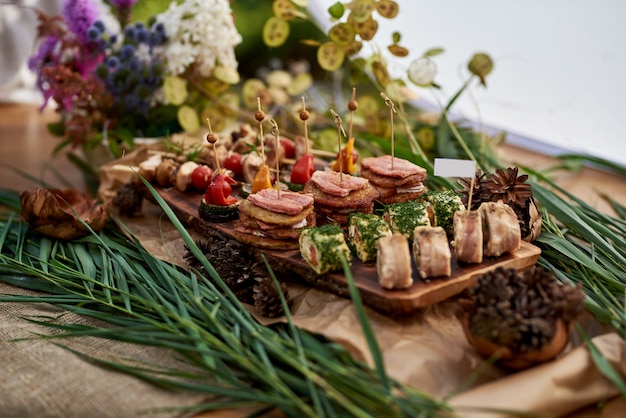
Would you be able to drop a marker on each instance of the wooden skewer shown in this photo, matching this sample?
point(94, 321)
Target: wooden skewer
point(304, 117)
point(471, 192)
point(340, 131)
point(212, 139)
point(352, 106)
point(260, 116)
point(392, 110)
point(276, 134)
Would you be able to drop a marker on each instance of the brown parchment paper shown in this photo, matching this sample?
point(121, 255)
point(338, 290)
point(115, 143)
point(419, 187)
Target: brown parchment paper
point(427, 349)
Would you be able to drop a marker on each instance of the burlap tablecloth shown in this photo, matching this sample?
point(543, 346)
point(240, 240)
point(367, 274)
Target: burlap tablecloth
point(41, 379)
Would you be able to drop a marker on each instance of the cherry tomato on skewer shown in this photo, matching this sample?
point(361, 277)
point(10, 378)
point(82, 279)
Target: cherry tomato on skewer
point(303, 169)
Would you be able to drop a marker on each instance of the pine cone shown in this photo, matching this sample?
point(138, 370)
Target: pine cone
point(521, 311)
point(479, 195)
point(267, 299)
point(191, 259)
point(509, 187)
point(128, 199)
point(233, 263)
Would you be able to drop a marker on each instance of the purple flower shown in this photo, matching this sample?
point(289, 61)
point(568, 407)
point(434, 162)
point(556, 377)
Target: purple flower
point(43, 54)
point(79, 16)
point(123, 3)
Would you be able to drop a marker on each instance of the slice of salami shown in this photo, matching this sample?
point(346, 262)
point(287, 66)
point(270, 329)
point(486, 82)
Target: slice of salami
point(401, 167)
point(337, 184)
point(290, 203)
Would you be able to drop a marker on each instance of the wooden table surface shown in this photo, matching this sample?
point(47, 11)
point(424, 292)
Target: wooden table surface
point(26, 145)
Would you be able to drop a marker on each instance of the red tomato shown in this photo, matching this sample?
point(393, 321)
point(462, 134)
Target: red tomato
point(233, 162)
point(303, 169)
point(289, 147)
point(201, 176)
point(218, 191)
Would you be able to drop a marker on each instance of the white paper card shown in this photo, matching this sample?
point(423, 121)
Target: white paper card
point(450, 167)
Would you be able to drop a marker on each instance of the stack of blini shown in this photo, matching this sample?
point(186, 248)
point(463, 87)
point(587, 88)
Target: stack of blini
point(337, 195)
point(395, 179)
point(274, 220)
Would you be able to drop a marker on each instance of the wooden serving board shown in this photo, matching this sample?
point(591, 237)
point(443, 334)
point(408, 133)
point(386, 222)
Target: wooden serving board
point(421, 294)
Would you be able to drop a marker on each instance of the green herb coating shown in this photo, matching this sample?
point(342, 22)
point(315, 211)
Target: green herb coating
point(444, 204)
point(364, 230)
point(321, 247)
point(403, 217)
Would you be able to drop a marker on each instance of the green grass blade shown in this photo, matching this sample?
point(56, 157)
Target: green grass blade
point(296, 336)
point(370, 337)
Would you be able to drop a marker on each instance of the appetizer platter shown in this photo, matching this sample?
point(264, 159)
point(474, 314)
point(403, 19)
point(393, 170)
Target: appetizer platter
point(420, 294)
point(407, 247)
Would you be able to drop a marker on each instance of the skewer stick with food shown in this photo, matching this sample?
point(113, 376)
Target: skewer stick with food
point(392, 110)
point(270, 223)
point(259, 115)
point(468, 236)
point(347, 158)
point(218, 205)
point(276, 133)
point(395, 179)
point(340, 131)
point(352, 107)
point(272, 219)
point(467, 228)
point(336, 194)
point(304, 167)
point(262, 179)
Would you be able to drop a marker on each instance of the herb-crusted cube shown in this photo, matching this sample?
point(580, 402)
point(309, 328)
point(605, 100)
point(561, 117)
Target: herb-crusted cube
point(322, 248)
point(444, 203)
point(364, 230)
point(404, 217)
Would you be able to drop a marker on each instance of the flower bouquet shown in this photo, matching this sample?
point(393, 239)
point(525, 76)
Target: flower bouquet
point(114, 79)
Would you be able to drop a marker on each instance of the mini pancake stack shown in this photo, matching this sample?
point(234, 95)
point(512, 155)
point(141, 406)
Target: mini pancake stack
point(337, 195)
point(274, 221)
point(399, 183)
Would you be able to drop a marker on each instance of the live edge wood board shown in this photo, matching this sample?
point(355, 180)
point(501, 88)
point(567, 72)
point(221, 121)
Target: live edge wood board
point(289, 264)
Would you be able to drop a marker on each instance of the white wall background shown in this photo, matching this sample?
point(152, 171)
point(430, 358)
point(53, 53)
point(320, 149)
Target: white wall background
point(559, 81)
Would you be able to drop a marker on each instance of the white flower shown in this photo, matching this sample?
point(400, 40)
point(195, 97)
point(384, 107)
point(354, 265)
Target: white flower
point(142, 52)
point(422, 71)
point(200, 32)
